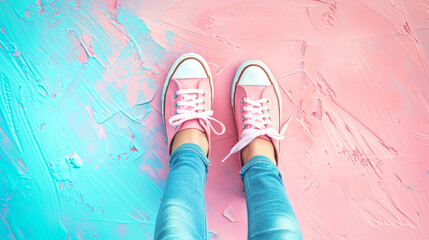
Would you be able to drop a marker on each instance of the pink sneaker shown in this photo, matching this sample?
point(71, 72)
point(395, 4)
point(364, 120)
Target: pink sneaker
point(257, 106)
point(187, 97)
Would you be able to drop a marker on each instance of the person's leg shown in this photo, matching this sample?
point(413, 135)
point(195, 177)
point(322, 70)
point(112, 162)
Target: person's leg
point(182, 211)
point(257, 105)
point(270, 214)
point(186, 109)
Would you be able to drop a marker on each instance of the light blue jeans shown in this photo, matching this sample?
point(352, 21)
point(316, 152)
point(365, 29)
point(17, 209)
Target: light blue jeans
point(182, 211)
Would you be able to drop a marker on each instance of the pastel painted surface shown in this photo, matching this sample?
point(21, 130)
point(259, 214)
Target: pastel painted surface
point(82, 143)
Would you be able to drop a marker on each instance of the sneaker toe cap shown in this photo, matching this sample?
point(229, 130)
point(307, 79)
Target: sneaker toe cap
point(254, 75)
point(190, 68)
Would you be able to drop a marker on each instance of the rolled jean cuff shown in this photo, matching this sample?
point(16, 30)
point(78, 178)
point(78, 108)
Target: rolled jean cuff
point(259, 159)
point(190, 147)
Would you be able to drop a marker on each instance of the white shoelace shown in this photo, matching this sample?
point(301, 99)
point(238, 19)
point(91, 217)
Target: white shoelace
point(259, 122)
point(189, 108)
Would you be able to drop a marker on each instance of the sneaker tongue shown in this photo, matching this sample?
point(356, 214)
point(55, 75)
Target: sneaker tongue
point(255, 92)
point(190, 83)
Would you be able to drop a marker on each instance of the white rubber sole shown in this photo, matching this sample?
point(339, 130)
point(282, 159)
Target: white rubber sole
point(273, 81)
point(173, 68)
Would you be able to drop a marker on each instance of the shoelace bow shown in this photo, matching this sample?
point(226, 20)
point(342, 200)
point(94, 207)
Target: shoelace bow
point(259, 122)
point(189, 108)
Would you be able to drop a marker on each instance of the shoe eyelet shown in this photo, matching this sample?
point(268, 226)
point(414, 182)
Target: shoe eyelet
point(268, 101)
point(175, 96)
point(242, 100)
point(268, 110)
point(175, 127)
point(241, 109)
point(175, 105)
point(242, 118)
point(204, 94)
point(243, 126)
point(204, 102)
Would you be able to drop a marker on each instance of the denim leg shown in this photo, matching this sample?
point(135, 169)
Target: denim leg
point(270, 215)
point(182, 211)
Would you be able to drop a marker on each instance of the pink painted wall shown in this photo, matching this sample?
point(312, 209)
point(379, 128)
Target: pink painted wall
point(354, 75)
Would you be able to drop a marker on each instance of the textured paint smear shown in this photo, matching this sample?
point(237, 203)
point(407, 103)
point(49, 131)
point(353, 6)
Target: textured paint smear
point(83, 148)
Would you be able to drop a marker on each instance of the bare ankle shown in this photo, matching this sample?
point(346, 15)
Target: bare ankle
point(191, 136)
point(259, 146)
